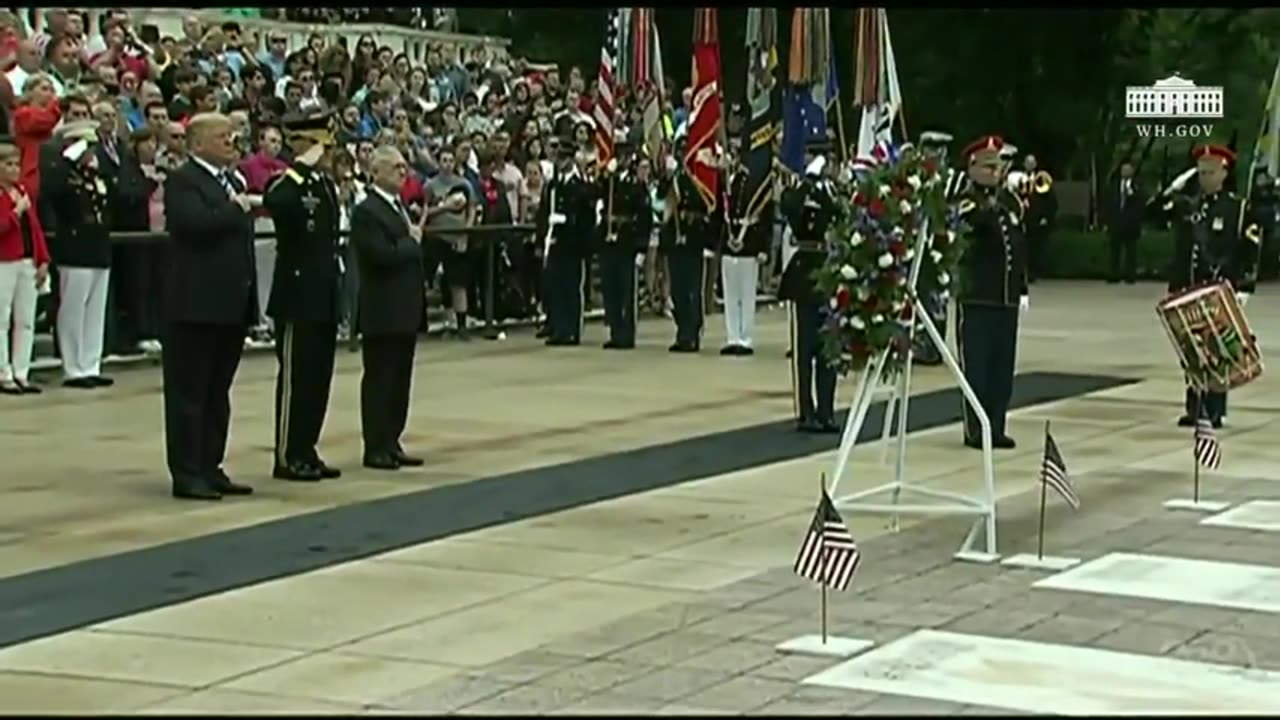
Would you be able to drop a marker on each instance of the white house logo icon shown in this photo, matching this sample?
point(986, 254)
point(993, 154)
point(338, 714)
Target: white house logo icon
point(1173, 98)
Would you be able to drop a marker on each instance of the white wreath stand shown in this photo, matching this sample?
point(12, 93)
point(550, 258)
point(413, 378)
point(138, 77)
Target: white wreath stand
point(928, 501)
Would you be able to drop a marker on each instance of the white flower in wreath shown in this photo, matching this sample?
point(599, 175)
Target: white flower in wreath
point(862, 293)
point(885, 260)
point(905, 206)
point(832, 304)
point(884, 191)
point(944, 279)
point(951, 236)
point(936, 255)
point(914, 181)
point(858, 323)
point(844, 321)
point(898, 305)
point(847, 272)
point(898, 232)
point(902, 279)
point(856, 239)
point(877, 318)
point(910, 253)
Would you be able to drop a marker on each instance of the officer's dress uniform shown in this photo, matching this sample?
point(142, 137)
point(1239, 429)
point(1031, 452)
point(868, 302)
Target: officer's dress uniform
point(1041, 209)
point(624, 236)
point(689, 227)
point(567, 220)
point(304, 306)
point(810, 209)
point(993, 284)
point(1216, 238)
point(744, 240)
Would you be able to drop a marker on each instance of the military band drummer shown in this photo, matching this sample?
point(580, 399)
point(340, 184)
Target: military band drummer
point(1216, 238)
point(992, 291)
point(303, 203)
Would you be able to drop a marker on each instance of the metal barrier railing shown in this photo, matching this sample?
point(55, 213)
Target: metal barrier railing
point(488, 234)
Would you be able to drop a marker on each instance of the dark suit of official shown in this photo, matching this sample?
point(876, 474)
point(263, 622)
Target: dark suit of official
point(1125, 207)
point(211, 300)
point(391, 279)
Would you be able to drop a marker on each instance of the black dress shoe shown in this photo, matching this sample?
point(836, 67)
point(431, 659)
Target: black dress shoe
point(610, 345)
point(807, 425)
point(29, 389)
point(220, 482)
point(973, 442)
point(381, 461)
point(745, 351)
point(828, 427)
point(102, 381)
point(10, 389)
point(683, 348)
point(730, 350)
point(195, 491)
point(300, 472)
point(407, 460)
point(1003, 442)
point(1217, 423)
point(561, 342)
point(326, 471)
point(1186, 421)
point(542, 333)
point(83, 383)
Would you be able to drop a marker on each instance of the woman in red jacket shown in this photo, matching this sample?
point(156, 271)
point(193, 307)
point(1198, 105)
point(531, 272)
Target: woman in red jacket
point(33, 123)
point(24, 267)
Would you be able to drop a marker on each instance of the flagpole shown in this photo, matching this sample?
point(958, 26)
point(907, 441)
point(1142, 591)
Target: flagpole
point(1040, 542)
point(1195, 461)
point(822, 606)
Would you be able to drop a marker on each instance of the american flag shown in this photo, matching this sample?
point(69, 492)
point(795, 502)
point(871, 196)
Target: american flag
point(1207, 448)
point(1053, 472)
point(829, 555)
point(606, 86)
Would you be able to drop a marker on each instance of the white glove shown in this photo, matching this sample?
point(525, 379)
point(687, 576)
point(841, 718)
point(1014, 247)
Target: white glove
point(557, 219)
point(1024, 302)
point(708, 255)
point(1182, 180)
point(75, 151)
point(612, 167)
point(1242, 298)
point(672, 164)
point(762, 258)
point(639, 261)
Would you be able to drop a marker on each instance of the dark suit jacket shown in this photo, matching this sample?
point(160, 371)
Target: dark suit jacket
point(130, 188)
point(211, 279)
point(1130, 217)
point(390, 263)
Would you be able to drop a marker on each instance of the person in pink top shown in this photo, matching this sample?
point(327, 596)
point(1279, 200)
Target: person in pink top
point(259, 168)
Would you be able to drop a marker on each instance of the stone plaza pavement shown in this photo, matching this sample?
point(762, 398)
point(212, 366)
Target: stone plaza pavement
point(668, 601)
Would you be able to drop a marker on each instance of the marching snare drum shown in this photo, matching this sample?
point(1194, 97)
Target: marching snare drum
point(1209, 332)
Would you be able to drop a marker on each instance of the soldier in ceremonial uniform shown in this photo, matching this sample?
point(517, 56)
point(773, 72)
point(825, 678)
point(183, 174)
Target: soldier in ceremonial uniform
point(993, 289)
point(810, 209)
point(1216, 238)
point(567, 222)
point(1042, 207)
point(744, 244)
point(627, 221)
point(304, 302)
point(934, 145)
point(690, 228)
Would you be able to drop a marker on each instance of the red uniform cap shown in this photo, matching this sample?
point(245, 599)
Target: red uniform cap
point(1215, 151)
point(989, 143)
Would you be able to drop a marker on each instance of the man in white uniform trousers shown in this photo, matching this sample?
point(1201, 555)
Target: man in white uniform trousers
point(748, 225)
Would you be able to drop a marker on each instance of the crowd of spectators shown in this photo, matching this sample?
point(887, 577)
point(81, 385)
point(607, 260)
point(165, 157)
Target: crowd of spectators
point(495, 121)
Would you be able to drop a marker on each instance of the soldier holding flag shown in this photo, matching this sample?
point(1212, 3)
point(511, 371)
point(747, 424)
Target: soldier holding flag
point(688, 226)
point(627, 221)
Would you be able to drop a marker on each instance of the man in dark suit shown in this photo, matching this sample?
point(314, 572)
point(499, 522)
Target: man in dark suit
point(303, 202)
point(210, 303)
point(388, 249)
point(1125, 207)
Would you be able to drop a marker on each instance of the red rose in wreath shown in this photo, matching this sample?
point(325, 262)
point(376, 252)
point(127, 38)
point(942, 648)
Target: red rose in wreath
point(930, 166)
point(842, 298)
point(859, 199)
point(898, 248)
point(875, 208)
point(858, 349)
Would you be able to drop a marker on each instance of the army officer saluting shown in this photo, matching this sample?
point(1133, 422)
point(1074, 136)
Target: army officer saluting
point(303, 202)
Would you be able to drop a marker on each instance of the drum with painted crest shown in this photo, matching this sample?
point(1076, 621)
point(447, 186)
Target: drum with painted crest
point(1211, 336)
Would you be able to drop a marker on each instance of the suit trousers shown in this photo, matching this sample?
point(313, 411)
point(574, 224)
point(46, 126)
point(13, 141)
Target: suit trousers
point(814, 377)
point(738, 278)
point(199, 363)
point(82, 316)
point(18, 294)
point(1123, 242)
point(305, 353)
point(563, 287)
point(988, 339)
point(618, 286)
point(385, 387)
point(686, 265)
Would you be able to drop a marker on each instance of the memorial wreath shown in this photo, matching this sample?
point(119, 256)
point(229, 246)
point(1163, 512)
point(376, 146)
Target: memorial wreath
point(869, 257)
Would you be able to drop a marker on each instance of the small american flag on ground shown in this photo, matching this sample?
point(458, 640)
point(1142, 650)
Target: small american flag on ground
point(1207, 448)
point(1053, 472)
point(829, 555)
